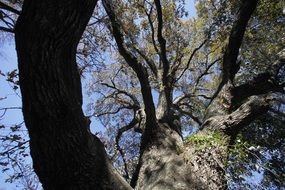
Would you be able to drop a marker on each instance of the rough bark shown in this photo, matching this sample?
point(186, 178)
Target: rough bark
point(65, 154)
point(199, 163)
point(160, 147)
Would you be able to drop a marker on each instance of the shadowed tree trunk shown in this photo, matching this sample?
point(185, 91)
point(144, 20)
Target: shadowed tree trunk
point(65, 154)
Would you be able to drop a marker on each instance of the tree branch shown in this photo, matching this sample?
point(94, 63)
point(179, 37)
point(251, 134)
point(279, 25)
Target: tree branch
point(188, 62)
point(152, 28)
point(112, 112)
point(14, 147)
point(161, 40)
point(196, 119)
point(8, 8)
point(7, 29)
point(262, 83)
point(133, 98)
point(149, 62)
point(132, 61)
point(205, 72)
point(230, 66)
point(244, 115)
point(118, 137)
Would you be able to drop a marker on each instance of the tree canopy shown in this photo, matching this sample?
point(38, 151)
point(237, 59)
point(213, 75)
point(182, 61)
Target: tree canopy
point(184, 102)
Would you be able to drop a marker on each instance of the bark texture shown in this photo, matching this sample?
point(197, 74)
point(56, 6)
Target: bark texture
point(200, 162)
point(65, 154)
point(167, 163)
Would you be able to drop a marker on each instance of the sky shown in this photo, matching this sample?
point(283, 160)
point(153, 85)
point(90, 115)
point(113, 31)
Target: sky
point(8, 62)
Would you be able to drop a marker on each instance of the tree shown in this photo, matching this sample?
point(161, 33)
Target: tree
point(65, 113)
point(66, 155)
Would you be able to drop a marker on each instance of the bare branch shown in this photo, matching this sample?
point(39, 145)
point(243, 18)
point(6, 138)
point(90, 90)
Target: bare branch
point(188, 62)
point(15, 147)
point(132, 61)
point(184, 112)
point(7, 29)
point(118, 137)
point(161, 40)
point(10, 108)
point(112, 112)
point(205, 72)
point(8, 8)
point(133, 98)
point(152, 28)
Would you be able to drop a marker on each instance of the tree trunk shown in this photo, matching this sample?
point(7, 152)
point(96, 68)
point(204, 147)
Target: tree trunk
point(169, 163)
point(65, 154)
point(199, 162)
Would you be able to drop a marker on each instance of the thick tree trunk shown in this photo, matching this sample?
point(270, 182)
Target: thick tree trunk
point(169, 163)
point(199, 162)
point(65, 154)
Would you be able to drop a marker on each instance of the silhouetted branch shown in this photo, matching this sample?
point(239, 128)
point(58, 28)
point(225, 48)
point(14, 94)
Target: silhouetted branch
point(8, 8)
point(132, 61)
point(188, 62)
point(118, 137)
point(15, 147)
point(7, 29)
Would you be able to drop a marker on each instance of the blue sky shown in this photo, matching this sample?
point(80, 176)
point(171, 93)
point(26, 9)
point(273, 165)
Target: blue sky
point(8, 62)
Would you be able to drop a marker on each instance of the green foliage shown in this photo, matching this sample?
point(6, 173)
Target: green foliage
point(203, 141)
point(238, 151)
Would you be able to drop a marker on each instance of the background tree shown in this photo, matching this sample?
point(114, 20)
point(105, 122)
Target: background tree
point(162, 75)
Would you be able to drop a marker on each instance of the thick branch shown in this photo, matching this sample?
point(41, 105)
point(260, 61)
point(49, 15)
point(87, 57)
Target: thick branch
point(244, 115)
point(149, 62)
point(161, 40)
point(262, 83)
point(65, 154)
point(230, 64)
point(132, 61)
point(165, 97)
